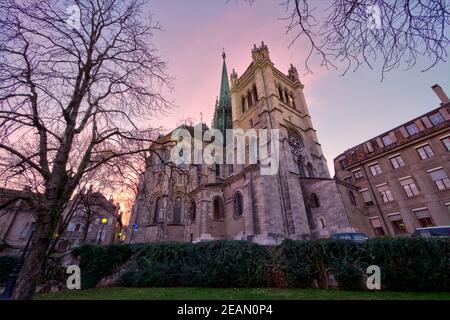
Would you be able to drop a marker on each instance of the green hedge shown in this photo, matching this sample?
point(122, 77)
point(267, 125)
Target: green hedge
point(97, 262)
point(210, 264)
point(406, 264)
point(7, 264)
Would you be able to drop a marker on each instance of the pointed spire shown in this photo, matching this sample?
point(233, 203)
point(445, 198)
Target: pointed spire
point(224, 85)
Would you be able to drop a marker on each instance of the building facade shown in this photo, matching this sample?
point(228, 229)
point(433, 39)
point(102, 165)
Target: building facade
point(401, 177)
point(88, 218)
point(235, 201)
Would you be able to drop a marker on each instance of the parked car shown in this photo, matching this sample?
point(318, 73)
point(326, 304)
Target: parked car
point(354, 236)
point(432, 232)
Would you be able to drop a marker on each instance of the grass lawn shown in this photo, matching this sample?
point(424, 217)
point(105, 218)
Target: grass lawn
point(236, 294)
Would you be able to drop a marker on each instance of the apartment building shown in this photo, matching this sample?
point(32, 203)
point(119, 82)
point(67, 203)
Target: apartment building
point(401, 177)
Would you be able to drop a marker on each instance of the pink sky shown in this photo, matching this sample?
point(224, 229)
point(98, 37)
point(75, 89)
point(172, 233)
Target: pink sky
point(345, 110)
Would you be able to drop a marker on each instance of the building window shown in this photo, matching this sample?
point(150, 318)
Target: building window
point(446, 142)
point(217, 170)
point(375, 169)
point(397, 224)
point(358, 174)
point(367, 198)
point(349, 180)
point(218, 208)
point(343, 163)
point(177, 211)
point(387, 140)
point(440, 178)
point(397, 162)
point(352, 198)
point(250, 123)
point(436, 118)
point(410, 187)
point(315, 203)
point(243, 104)
point(424, 218)
point(280, 93)
point(255, 93)
point(238, 205)
point(385, 194)
point(377, 228)
point(412, 129)
point(158, 213)
point(193, 211)
point(425, 152)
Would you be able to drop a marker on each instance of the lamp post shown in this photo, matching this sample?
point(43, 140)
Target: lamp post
point(12, 279)
point(103, 222)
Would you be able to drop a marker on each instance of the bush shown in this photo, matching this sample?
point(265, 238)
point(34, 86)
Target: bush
point(97, 262)
point(411, 263)
point(7, 264)
point(406, 264)
point(207, 264)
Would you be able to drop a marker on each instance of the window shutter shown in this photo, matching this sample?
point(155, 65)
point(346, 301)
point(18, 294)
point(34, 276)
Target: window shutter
point(421, 214)
point(438, 175)
point(395, 217)
point(375, 223)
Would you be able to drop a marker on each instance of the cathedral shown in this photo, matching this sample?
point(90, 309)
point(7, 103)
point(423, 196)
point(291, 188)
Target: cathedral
point(203, 202)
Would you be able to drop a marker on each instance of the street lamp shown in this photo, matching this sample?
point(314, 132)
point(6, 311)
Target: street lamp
point(7, 294)
point(103, 222)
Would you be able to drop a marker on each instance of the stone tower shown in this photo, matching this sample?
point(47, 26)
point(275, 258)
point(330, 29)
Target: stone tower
point(222, 112)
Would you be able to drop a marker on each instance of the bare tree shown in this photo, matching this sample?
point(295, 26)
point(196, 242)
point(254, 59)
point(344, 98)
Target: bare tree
point(357, 32)
point(76, 86)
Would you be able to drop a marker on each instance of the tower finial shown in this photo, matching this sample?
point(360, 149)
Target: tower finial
point(224, 56)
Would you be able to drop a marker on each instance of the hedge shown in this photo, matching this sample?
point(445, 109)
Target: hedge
point(97, 262)
point(208, 264)
point(7, 264)
point(406, 264)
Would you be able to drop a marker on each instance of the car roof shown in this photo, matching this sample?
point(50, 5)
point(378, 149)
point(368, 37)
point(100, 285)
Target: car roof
point(431, 228)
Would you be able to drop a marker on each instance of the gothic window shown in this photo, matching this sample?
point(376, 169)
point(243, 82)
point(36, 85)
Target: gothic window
point(218, 209)
point(315, 203)
point(280, 94)
point(243, 104)
point(296, 143)
point(250, 99)
point(291, 101)
point(177, 211)
point(217, 170)
point(158, 213)
point(193, 210)
point(310, 168)
point(255, 93)
point(238, 205)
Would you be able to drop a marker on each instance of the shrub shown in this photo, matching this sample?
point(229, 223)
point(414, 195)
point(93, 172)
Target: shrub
point(209, 264)
point(411, 263)
point(302, 262)
point(345, 260)
point(97, 262)
point(7, 264)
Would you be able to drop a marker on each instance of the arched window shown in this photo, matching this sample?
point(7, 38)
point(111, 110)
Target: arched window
point(315, 203)
point(250, 99)
point(310, 168)
point(255, 94)
point(280, 93)
point(158, 213)
point(238, 205)
point(218, 208)
point(177, 211)
point(193, 210)
point(352, 197)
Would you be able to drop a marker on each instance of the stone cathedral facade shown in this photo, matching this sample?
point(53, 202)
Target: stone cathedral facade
point(225, 201)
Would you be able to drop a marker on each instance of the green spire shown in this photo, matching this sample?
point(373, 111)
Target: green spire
point(224, 85)
point(222, 114)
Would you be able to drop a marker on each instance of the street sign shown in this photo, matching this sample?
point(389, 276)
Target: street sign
point(135, 226)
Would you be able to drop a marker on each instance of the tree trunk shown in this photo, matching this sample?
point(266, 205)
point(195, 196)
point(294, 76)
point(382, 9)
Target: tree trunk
point(34, 262)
